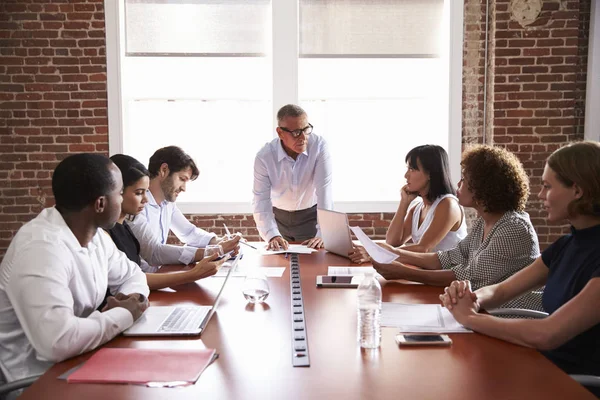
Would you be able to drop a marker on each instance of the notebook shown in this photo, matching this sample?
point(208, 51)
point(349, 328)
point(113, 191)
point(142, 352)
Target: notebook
point(335, 233)
point(177, 320)
point(144, 366)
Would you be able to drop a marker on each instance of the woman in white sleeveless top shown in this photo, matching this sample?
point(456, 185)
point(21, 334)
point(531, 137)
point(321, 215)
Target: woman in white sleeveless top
point(435, 221)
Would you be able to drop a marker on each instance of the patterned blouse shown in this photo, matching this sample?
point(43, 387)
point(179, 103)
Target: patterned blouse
point(510, 246)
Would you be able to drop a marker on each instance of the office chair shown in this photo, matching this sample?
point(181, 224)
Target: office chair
point(585, 380)
point(16, 385)
point(7, 387)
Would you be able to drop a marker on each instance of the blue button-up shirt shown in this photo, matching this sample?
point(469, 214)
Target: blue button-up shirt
point(151, 228)
point(288, 184)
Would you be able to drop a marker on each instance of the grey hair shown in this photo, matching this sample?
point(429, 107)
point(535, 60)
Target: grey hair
point(289, 110)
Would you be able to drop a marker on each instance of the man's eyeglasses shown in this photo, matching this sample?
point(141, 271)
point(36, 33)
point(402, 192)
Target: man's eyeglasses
point(306, 131)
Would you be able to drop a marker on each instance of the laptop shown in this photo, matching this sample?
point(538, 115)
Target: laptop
point(177, 320)
point(335, 232)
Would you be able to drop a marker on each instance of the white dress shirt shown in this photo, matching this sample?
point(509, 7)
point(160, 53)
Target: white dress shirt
point(151, 228)
point(288, 184)
point(50, 288)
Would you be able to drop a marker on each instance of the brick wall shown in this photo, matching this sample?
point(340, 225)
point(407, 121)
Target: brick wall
point(53, 96)
point(374, 224)
point(52, 99)
point(539, 88)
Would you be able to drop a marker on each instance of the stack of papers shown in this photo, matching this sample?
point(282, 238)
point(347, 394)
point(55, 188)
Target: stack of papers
point(292, 249)
point(269, 272)
point(420, 318)
point(377, 253)
point(349, 271)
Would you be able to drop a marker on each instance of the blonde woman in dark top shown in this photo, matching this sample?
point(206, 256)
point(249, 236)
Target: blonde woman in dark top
point(135, 184)
point(570, 269)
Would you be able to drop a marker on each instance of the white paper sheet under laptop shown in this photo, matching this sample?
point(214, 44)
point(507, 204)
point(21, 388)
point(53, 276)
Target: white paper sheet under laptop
point(420, 318)
point(335, 233)
point(177, 320)
point(378, 253)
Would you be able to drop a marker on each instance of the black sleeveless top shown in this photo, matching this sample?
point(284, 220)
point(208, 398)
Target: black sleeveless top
point(125, 241)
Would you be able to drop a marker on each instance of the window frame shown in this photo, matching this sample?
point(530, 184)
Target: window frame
point(592, 102)
point(285, 24)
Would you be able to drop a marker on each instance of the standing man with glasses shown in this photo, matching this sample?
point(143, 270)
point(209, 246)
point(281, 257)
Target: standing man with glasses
point(292, 178)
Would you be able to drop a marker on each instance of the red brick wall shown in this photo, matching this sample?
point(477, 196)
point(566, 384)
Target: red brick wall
point(535, 86)
point(539, 89)
point(53, 96)
point(374, 224)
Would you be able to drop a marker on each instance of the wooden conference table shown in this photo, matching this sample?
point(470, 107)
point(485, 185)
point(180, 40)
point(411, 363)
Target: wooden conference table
point(255, 351)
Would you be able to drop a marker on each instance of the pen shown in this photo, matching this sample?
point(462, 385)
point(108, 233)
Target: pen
point(226, 230)
point(249, 245)
point(242, 242)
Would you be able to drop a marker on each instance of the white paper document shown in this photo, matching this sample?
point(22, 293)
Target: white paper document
point(270, 272)
point(378, 253)
point(292, 249)
point(349, 271)
point(419, 318)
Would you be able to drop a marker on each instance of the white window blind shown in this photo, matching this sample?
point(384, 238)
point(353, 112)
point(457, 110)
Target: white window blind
point(197, 27)
point(371, 74)
point(370, 28)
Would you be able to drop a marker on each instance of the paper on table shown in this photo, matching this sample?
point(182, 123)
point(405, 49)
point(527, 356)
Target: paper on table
point(420, 318)
point(270, 272)
point(292, 249)
point(349, 271)
point(378, 253)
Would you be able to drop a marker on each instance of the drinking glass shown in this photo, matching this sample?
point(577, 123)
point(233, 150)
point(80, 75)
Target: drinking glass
point(255, 287)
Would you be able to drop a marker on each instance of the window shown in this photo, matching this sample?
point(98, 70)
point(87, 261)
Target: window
point(209, 76)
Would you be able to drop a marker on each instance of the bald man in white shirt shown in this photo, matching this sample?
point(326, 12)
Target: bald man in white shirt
point(292, 178)
point(57, 270)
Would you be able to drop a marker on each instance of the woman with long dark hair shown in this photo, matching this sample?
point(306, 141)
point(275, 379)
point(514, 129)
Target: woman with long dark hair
point(135, 184)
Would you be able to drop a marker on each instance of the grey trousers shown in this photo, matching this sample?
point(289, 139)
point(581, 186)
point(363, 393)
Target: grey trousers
point(296, 226)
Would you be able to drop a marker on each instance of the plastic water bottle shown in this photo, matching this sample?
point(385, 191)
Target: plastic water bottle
point(369, 310)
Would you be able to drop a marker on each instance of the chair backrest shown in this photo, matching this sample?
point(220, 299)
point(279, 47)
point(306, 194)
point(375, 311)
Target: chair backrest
point(8, 389)
point(591, 382)
point(518, 312)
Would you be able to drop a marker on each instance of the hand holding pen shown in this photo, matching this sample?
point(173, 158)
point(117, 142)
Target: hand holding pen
point(230, 236)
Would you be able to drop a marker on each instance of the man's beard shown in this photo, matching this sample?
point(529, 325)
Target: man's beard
point(169, 191)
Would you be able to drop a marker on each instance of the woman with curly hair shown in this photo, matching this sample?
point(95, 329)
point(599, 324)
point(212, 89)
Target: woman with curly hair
point(502, 240)
point(570, 269)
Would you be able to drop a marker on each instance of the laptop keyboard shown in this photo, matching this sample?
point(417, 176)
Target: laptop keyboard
point(183, 319)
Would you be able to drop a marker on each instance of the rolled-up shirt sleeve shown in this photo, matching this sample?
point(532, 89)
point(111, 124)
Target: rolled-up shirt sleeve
point(189, 233)
point(153, 251)
point(43, 304)
point(456, 256)
point(261, 202)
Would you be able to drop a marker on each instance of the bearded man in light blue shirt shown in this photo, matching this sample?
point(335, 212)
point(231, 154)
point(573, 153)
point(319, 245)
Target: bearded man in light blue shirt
point(292, 178)
point(170, 170)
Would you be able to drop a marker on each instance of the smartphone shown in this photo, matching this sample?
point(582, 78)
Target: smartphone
point(338, 281)
point(226, 255)
point(423, 339)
